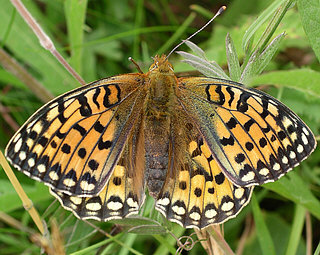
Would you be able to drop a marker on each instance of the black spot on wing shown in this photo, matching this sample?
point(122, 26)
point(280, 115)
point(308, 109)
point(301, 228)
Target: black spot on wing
point(231, 93)
point(95, 96)
point(104, 144)
point(227, 141)
point(85, 109)
point(81, 129)
point(106, 101)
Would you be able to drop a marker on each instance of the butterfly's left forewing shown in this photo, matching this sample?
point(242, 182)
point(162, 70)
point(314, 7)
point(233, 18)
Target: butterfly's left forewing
point(74, 142)
point(253, 137)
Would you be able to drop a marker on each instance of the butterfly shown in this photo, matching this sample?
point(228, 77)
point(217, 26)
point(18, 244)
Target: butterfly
point(198, 145)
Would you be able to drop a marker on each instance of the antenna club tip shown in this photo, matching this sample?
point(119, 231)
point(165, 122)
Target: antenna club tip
point(222, 9)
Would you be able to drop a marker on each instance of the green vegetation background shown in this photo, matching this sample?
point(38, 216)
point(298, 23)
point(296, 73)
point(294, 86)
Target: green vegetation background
point(97, 37)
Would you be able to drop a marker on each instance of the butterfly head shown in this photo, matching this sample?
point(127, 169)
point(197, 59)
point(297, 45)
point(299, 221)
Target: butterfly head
point(161, 65)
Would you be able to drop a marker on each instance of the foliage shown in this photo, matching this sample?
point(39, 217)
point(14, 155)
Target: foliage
point(97, 37)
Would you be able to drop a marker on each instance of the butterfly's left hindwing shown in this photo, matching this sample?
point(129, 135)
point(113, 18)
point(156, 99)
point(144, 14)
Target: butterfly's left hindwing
point(123, 194)
point(253, 137)
point(74, 142)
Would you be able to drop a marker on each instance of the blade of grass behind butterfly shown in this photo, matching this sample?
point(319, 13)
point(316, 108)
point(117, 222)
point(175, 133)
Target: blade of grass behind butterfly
point(129, 241)
point(114, 239)
point(178, 34)
point(138, 22)
point(165, 6)
point(259, 22)
point(23, 75)
point(44, 39)
point(263, 234)
point(296, 229)
point(293, 187)
point(131, 32)
point(272, 26)
point(9, 26)
point(75, 12)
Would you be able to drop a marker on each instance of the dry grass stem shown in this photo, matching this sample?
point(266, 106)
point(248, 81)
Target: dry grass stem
point(44, 39)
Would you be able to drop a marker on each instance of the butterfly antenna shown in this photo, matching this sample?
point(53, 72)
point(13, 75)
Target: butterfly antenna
point(221, 10)
point(136, 64)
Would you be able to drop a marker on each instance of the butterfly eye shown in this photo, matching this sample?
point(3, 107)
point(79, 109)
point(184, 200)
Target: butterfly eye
point(154, 66)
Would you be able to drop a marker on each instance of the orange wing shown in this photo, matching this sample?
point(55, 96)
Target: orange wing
point(74, 142)
point(124, 192)
point(197, 193)
point(253, 137)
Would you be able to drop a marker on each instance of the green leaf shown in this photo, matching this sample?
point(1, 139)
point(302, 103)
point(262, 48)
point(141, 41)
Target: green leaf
point(148, 230)
point(309, 11)
point(133, 221)
point(266, 56)
point(233, 60)
point(305, 80)
point(210, 69)
point(196, 49)
point(295, 189)
point(249, 70)
point(263, 233)
point(257, 63)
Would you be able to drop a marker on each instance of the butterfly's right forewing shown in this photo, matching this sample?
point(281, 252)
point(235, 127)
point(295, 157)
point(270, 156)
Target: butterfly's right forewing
point(74, 142)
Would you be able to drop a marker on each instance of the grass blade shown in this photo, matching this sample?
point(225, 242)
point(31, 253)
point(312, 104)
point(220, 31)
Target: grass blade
point(263, 233)
point(296, 230)
point(259, 22)
point(75, 12)
point(294, 188)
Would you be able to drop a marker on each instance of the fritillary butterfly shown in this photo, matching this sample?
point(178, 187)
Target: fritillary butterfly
point(198, 144)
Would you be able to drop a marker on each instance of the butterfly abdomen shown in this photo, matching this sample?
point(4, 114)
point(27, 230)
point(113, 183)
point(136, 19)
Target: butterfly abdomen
point(158, 111)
